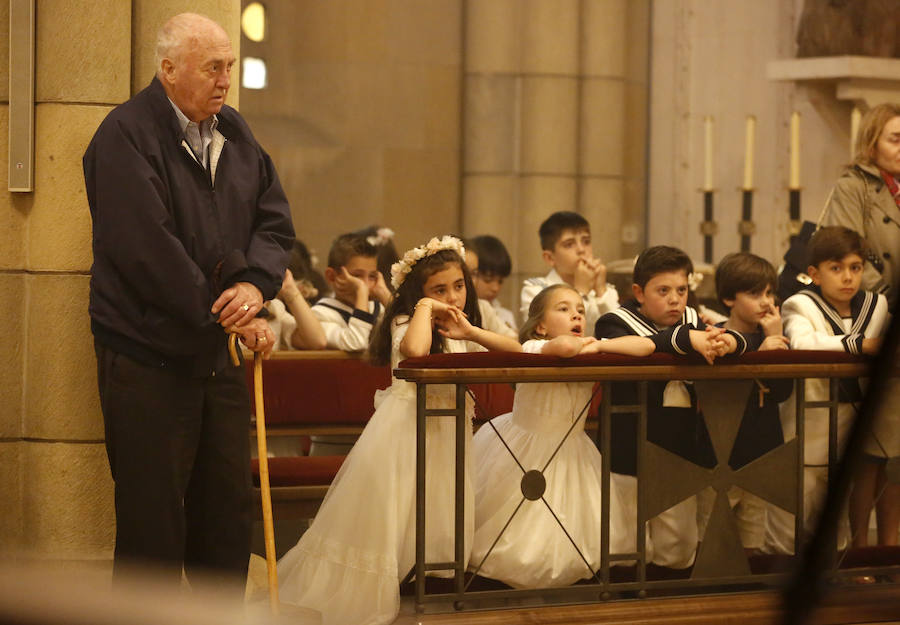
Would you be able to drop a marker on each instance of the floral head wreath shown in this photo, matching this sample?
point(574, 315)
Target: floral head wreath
point(402, 267)
point(381, 237)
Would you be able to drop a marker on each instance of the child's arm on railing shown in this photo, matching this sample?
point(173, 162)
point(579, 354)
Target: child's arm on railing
point(309, 333)
point(453, 324)
point(626, 345)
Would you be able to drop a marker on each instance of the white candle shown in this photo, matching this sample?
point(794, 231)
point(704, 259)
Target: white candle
point(855, 116)
point(794, 183)
point(708, 154)
point(748, 153)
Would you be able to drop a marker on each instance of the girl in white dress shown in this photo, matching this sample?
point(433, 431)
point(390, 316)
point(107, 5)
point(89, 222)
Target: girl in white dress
point(533, 551)
point(349, 563)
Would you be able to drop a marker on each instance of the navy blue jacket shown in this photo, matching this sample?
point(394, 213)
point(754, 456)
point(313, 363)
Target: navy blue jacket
point(680, 430)
point(167, 242)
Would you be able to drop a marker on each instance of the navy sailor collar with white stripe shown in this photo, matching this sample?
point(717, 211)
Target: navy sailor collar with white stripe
point(862, 306)
point(642, 326)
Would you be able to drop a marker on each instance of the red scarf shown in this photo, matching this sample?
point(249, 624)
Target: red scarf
point(892, 185)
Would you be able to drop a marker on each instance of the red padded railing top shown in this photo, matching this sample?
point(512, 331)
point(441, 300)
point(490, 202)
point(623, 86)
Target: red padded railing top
point(510, 359)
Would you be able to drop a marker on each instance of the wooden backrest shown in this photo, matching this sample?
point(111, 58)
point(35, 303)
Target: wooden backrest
point(331, 388)
point(320, 388)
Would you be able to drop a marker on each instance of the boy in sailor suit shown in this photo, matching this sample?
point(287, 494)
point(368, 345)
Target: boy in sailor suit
point(360, 294)
point(659, 311)
point(831, 314)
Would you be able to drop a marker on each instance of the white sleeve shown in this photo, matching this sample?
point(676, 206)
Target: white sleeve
point(881, 318)
point(398, 331)
point(529, 291)
point(492, 322)
point(798, 314)
point(282, 323)
point(595, 307)
point(506, 316)
point(534, 346)
point(352, 336)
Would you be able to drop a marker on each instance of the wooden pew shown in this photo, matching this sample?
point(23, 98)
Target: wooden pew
point(308, 393)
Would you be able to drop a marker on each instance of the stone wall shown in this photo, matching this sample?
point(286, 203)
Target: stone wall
point(361, 115)
point(474, 117)
point(711, 59)
point(555, 112)
point(54, 477)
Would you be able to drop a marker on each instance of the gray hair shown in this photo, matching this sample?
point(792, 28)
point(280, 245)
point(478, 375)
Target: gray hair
point(177, 33)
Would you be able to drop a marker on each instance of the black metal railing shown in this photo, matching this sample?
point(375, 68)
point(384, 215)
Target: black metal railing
point(663, 478)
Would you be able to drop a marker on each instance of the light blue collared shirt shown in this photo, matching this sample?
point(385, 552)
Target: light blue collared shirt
point(198, 136)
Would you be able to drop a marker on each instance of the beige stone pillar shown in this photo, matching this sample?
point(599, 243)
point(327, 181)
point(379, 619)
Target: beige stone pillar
point(54, 476)
point(554, 115)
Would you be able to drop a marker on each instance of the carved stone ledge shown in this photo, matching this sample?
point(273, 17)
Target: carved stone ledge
point(865, 80)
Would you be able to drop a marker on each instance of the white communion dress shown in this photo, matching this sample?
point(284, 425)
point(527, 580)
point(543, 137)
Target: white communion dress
point(534, 551)
point(349, 563)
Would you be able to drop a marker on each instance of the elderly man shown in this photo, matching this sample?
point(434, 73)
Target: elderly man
point(191, 233)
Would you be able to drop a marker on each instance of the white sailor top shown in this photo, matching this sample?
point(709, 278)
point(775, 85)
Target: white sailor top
point(346, 328)
point(810, 322)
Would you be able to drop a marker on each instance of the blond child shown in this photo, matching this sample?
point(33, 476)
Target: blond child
point(533, 551)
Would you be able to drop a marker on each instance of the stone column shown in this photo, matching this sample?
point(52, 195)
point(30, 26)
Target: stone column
point(614, 104)
point(54, 476)
point(554, 115)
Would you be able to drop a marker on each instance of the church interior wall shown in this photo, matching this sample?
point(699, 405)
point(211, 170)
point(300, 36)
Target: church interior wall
point(427, 117)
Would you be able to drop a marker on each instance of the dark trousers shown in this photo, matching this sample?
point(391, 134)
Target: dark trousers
point(180, 458)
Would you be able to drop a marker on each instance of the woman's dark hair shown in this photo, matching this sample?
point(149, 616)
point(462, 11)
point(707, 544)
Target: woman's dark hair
point(409, 294)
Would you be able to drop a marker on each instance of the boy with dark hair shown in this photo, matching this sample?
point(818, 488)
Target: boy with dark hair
point(360, 294)
point(492, 266)
point(566, 242)
point(490, 320)
point(831, 314)
point(660, 312)
point(745, 285)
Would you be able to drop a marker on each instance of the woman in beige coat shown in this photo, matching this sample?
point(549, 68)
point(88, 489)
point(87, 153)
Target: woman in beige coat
point(863, 200)
point(866, 198)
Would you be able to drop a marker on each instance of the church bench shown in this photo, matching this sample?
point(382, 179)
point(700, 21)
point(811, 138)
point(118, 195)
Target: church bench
point(327, 392)
point(308, 393)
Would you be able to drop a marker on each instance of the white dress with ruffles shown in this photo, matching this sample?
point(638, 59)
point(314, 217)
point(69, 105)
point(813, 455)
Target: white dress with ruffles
point(534, 551)
point(349, 563)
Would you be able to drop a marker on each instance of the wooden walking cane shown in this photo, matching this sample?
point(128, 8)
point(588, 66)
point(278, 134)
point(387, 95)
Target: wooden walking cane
point(268, 525)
